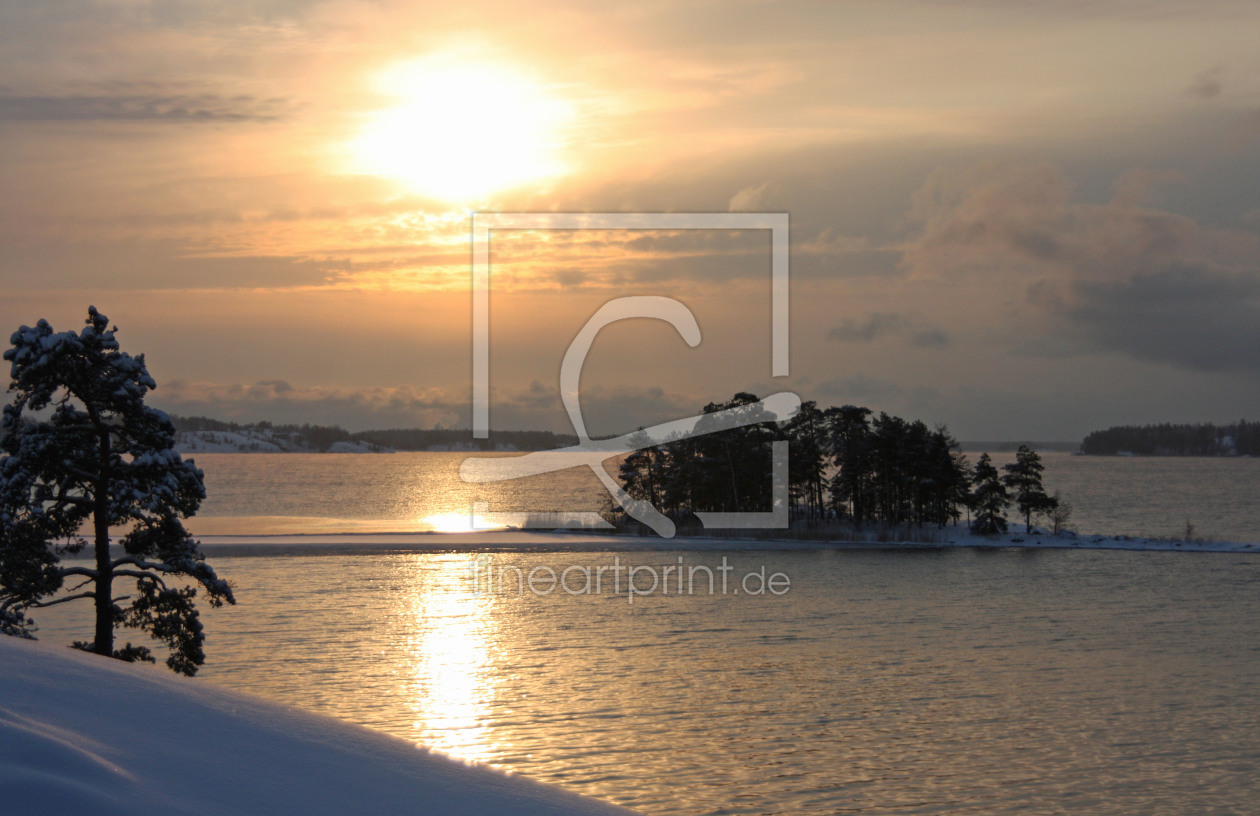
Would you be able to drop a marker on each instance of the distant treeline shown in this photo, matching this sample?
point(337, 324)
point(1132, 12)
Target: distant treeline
point(1241, 439)
point(418, 439)
point(323, 437)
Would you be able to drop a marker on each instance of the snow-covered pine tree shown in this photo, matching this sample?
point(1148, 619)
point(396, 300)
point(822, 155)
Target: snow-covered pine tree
point(1023, 477)
point(989, 498)
point(84, 454)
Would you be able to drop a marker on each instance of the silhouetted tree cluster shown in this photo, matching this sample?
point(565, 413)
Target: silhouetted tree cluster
point(845, 463)
point(842, 464)
point(989, 498)
point(993, 492)
point(728, 471)
point(1242, 439)
point(1023, 478)
point(890, 470)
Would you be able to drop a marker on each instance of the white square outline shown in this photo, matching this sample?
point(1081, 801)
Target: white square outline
point(483, 224)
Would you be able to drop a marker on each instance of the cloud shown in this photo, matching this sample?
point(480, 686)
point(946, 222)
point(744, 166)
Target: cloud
point(877, 325)
point(1010, 217)
point(607, 411)
point(1194, 317)
point(206, 107)
point(280, 401)
point(1207, 84)
point(1148, 283)
point(996, 215)
point(1141, 187)
point(749, 199)
point(860, 387)
point(911, 401)
point(158, 264)
point(600, 258)
point(930, 337)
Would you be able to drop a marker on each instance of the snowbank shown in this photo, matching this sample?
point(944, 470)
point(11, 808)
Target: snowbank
point(81, 734)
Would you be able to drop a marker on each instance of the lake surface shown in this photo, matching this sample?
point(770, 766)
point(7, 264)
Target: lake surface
point(882, 682)
point(295, 493)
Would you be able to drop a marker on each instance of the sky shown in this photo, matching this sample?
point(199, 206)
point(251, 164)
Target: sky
point(1024, 220)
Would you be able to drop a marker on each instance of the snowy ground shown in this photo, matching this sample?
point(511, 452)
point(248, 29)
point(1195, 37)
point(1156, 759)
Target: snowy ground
point(81, 734)
point(541, 541)
point(192, 442)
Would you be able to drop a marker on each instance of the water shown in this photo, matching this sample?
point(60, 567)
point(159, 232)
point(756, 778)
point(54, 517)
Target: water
point(286, 493)
point(1157, 496)
point(894, 682)
point(883, 682)
point(255, 494)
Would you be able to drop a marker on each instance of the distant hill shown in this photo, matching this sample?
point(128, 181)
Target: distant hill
point(206, 435)
point(1241, 439)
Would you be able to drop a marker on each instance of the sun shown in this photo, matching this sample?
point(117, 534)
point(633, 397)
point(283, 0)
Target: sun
point(460, 131)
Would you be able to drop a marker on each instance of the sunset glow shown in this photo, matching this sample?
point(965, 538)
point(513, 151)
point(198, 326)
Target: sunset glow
point(1028, 224)
point(460, 131)
point(651, 400)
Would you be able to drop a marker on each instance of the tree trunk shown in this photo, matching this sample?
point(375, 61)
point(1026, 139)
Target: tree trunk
point(104, 642)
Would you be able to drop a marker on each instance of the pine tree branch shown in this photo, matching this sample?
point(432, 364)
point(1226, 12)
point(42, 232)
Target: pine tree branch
point(73, 427)
point(60, 503)
point(82, 474)
point(64, 488)
point(80, 596)
point(142, 564)
point(141, 576)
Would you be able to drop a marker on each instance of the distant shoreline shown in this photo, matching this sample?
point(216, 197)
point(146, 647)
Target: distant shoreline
point(1132, 455)
point(1012, 446)
point(577, 541)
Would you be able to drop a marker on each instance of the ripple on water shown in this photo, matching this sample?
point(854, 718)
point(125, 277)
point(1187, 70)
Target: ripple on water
point(882, 683)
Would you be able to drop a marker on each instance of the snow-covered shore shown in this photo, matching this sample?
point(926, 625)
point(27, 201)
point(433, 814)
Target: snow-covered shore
point(563, 541)
point(252, 440)
point(82, 734)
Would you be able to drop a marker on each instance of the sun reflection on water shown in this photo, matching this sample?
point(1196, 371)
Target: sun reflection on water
point(453, 670)
point(459, 523)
